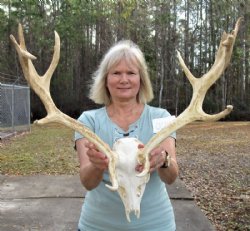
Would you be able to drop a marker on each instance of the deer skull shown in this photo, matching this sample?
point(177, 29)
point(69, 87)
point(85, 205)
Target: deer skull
point(130, 186)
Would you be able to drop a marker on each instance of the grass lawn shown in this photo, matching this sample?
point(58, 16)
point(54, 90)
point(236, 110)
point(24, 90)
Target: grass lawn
point(214, 160)
point(46, 150)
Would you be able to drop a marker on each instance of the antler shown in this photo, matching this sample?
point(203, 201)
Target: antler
point(41, 85)
point(200, 86)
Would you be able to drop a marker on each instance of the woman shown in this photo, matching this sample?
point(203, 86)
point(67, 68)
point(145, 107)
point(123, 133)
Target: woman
point(122, 85)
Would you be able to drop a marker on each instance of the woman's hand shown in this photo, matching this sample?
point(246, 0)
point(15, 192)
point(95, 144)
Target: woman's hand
point(96, 158)
point(157, 158)
point(92, 163)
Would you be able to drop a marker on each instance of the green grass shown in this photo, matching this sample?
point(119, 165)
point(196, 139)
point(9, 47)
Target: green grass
point(46, 150)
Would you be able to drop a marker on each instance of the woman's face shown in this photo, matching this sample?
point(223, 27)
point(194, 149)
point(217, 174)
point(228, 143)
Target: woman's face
point(123, 81)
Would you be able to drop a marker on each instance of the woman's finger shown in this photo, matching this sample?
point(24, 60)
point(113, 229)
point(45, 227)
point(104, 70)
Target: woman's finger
point(98, 159)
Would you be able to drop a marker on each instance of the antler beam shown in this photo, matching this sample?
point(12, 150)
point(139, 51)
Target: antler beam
point(194, 111)
point(41, 85)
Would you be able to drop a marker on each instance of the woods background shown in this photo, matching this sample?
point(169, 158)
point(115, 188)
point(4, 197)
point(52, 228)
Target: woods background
point(88, 28)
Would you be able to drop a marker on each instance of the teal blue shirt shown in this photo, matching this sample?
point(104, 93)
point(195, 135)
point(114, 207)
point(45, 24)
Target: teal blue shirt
point(102, 209)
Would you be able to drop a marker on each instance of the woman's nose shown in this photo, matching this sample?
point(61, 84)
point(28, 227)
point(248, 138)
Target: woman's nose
point(124, 77)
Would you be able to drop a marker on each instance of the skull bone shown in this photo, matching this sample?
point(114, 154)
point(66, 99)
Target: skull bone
point(131, 187)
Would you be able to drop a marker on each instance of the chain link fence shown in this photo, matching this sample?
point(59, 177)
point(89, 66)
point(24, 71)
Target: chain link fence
point(14, 109)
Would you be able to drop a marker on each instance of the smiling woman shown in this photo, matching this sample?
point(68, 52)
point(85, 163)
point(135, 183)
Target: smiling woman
point(122, 84)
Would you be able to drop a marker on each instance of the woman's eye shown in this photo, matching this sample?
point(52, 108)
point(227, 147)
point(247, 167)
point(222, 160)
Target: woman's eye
point(131, 73)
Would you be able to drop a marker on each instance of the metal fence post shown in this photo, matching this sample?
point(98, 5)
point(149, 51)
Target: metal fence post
point(12, 108)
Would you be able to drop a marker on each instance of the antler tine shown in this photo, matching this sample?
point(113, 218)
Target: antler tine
point(41, 85)
point(200, 87)
point(21, 37)
point(231, 39)
point(55, 59)
point(21, 49)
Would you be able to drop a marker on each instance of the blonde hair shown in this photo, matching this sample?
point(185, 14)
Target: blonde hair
point(129, 51)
